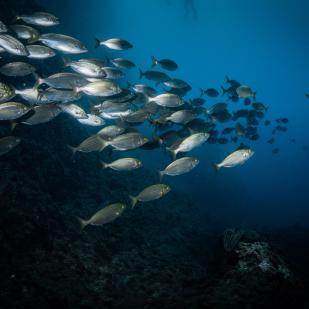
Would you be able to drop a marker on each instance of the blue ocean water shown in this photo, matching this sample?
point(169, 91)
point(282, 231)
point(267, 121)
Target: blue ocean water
point(260, 43)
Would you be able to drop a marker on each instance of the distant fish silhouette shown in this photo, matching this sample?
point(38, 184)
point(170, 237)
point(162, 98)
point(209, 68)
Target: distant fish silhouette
point(190, 10)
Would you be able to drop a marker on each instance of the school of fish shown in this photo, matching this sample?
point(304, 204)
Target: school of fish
point(179, 124)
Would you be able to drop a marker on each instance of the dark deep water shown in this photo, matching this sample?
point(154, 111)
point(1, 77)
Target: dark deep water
point(167, 253)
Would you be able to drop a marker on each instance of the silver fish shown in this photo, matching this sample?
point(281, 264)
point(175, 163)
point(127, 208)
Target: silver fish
point(147, 90)
point(63, 81)
point(12, 45)
point(105, 215)
point(188, 143)
point(92, 120)
point(115, 43)
point(100, 88)
point(73, 110)
point(111, 131)
point(137, 116)
point(237, 157)
point(124, 164)
point(176, 83)
point(40, 52)
point(150, 193)
point(90, 144)
point(7, 143)
point(179, 167)
point(32, 96)
point(128, 141)
point(26, 33)
point(122, 63)
point(39, 19)
point(63, 43)
point(182, 116)
point(12, 110)
point(17, 69)
point(168, 100)
point(58, 95)
point(43, 113)
point(113, 73)
point(88, 67)
point(245, 92)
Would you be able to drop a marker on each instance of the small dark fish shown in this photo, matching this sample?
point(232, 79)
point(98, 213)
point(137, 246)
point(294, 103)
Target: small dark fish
point(247, 101)
point(197, 101)
point(267, 122)
point(211, 92)
point(8, 143)
point(293, 140)
point(275, 151)
point(157, 76)
point(223, 140)
point(259, 106)
point(123, 63)
point(166, 64)
point(284, 120)
point(271, 141)
point(281, 128)
point(222, 116)
point(255, 137)
point(305, 147)
point(233, 83)
point(260, 114)
point(243, 146)
point(228, 131)
point(240, 130)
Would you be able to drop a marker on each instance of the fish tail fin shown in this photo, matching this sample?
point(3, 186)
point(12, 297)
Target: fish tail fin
point(76, 90)
point(191, 131)
point(202, 92)
point(66, 61)
point(38, 80)
point(161, 174)
point(83, 223)
point(173, 153)
point(216, 167)
point(223, 90)
point(13, 125)
point(133, 200)
point(141, 73)
point(104, 165)
point(73, 149)
point(154, 61)
point(97, 43)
